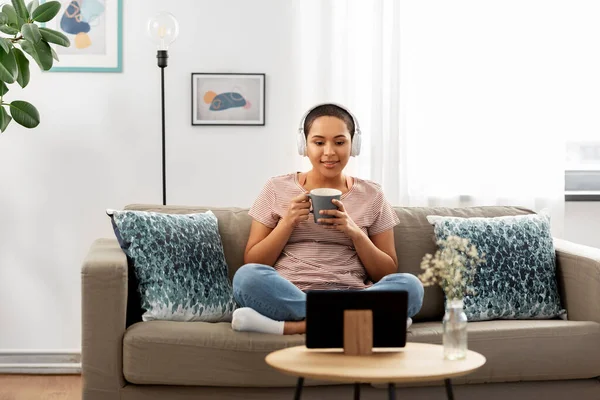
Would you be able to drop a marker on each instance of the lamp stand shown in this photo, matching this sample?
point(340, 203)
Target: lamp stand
point(162, 57)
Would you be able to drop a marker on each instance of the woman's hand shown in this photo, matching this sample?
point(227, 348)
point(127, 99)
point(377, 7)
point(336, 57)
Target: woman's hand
point(298, 210)
point(341, 220)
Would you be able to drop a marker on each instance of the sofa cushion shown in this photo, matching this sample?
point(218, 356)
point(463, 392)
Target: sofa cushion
point(205, 354)
point(518, 279)
point(179, 263)
point(201, 353)
point(414, 238)
point(234, 228)
point(527, 350)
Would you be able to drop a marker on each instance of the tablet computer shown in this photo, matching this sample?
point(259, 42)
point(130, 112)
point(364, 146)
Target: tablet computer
point(325, 316)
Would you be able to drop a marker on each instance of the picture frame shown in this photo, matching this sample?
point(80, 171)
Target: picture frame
point(228, 98)
point(95, 29)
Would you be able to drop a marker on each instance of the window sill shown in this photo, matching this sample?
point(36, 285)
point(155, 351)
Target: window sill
point(578, 195)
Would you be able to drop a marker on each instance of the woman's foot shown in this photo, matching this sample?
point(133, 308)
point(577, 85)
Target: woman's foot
point(246, 319)
point(294, 327)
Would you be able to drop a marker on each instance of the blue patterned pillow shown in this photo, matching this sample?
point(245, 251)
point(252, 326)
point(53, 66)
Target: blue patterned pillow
point(518, 280)
point(179, 262)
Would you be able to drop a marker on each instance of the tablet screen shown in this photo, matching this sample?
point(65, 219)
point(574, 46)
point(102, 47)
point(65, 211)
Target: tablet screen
point(325, 316)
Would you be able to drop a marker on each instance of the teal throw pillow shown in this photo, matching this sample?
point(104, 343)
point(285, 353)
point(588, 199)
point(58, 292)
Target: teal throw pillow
point(518, 280)
point(179, 262)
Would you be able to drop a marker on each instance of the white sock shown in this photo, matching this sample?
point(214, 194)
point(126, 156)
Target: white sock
point(246, 319)
point(408, 322)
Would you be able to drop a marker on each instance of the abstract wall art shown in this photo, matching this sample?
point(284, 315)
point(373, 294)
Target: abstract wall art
point(228, 99)
point(95, 29)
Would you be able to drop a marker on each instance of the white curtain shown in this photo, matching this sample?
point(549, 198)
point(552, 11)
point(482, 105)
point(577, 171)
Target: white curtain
point(461, 103)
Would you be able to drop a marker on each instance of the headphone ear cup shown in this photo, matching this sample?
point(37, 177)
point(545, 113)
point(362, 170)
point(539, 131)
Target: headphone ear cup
point(301, 142)
point(355, 144)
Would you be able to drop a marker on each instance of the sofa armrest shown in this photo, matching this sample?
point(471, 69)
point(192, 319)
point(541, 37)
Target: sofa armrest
point(103, 308)
point(578, 274)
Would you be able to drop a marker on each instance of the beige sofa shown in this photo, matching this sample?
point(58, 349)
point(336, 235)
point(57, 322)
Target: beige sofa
point(123, 358)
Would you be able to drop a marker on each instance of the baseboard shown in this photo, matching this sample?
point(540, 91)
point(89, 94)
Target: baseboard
point(40, 362)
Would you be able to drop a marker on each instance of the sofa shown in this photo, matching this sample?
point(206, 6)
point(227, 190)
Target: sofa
point(125, 358)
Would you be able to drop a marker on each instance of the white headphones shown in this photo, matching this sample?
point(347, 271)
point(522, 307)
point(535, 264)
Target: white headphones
point(355, 136)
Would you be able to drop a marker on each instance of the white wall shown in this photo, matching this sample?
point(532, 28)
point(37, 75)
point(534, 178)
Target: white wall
point(582, 223)
point(98, 147)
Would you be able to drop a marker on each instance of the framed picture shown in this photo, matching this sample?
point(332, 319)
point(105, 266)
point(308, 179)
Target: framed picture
point(228, 99)
point(95, 29)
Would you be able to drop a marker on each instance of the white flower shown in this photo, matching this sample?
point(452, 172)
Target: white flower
point(453, 266)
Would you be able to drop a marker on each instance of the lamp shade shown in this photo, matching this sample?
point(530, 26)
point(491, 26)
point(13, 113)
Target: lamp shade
point(163, 29)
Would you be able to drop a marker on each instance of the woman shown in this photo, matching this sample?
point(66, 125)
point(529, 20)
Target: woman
point(288, 253)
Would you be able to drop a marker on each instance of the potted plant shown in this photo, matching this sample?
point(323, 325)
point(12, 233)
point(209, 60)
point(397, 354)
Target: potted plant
point(24, 38)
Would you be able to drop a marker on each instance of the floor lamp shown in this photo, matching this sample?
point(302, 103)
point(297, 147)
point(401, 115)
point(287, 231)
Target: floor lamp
point(163, 30)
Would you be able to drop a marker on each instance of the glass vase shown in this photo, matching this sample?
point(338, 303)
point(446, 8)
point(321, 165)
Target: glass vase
point(455, 331)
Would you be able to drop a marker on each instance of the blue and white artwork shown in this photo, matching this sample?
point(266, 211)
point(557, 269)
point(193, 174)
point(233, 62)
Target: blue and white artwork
point(228, 99)
point(94, 28)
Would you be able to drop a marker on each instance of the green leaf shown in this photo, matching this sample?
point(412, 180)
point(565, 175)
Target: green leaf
point(23, 67)
point(10, 13)
point(20, 22)
point(45, 12)
point(20, 8)
point(40, 52)
point(54, 55)
point(52, 36)
point(3, 19)
point(29, 48)
point(31, 32)
point(25, 114)
point(45, 53)
point(8, 67)
point(5, 45)
point(9, 30)
point(32, 6)
point(3, 89)
point(4, 119)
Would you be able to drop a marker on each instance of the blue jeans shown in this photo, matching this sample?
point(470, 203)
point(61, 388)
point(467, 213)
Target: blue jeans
point(261, 288)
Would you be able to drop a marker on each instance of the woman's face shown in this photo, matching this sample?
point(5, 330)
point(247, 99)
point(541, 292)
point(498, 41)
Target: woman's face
point(328, 146)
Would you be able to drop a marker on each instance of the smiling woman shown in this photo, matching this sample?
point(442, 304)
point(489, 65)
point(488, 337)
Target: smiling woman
point(347, 246)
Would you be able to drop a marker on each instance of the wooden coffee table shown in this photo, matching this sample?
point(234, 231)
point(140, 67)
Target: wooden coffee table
point(417, 362)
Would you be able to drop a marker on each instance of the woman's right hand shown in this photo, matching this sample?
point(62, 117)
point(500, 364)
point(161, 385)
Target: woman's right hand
point(298, 210)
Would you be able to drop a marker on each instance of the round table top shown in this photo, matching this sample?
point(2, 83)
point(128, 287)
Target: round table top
point(413, 363)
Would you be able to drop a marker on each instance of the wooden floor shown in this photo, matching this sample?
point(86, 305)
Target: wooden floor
point(40, 387)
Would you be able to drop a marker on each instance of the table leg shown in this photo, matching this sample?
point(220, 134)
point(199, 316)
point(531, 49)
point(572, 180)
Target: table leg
point(357, 391)
point(449, 393)
point(391, 391)
point(299, 388)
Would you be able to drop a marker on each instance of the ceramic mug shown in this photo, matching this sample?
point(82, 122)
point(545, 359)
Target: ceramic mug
point(321, 200)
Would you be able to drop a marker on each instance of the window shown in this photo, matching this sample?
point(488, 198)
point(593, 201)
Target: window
point(582, 172)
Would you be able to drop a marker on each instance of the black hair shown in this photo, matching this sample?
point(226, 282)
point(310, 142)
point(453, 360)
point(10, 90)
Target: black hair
point(329, 110)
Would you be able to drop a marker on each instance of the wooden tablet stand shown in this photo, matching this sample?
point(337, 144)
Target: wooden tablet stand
point(358, 332)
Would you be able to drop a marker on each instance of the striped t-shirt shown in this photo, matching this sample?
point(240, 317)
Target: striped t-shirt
point(319, 258)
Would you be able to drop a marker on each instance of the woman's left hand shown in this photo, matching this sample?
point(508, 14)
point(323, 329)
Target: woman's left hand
point(340, 221)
